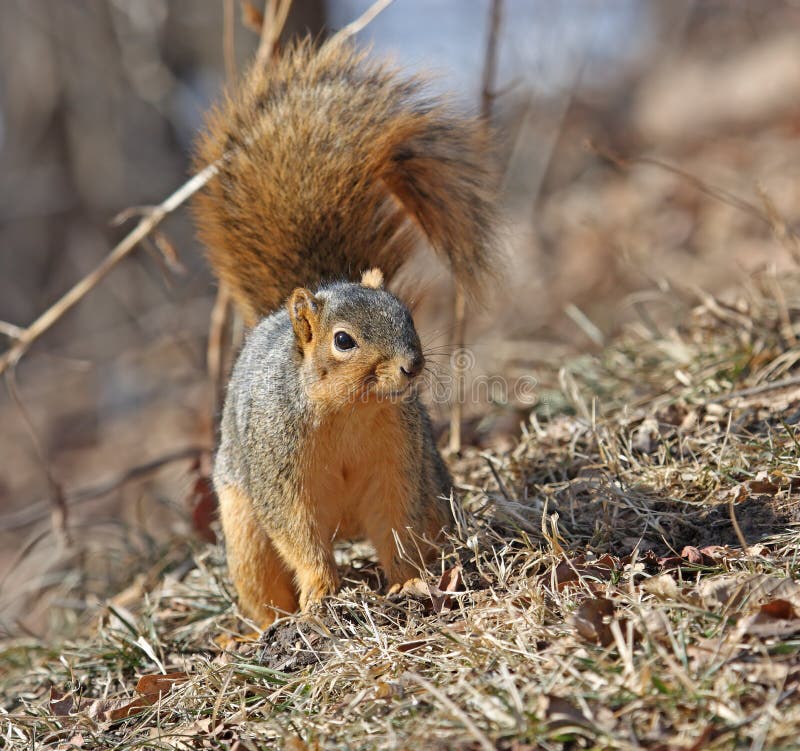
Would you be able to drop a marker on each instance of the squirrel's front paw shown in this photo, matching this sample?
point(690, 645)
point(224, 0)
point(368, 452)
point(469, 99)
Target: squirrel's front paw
point(316, 588)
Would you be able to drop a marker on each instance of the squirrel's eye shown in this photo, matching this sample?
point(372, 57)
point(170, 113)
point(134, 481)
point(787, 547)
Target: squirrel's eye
point(343, 341)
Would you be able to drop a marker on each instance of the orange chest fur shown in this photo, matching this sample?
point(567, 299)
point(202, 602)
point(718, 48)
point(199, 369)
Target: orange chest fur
point(358, 470)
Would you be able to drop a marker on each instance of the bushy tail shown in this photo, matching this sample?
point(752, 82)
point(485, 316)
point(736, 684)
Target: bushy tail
point(334, 164)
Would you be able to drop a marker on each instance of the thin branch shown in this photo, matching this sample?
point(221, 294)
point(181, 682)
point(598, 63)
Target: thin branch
point(275, 15)
point(736, 528)
point(459, 369)
point(10, 330)
point(229, 39)
point(363, 20)
point(783, 233)
point(46, 320)
point(22, 554)
point(488, 94)
point(459, 297)
point(38, 510)
point(58, 506)
point(773, 222)
point(756, 390)
point(215, 352)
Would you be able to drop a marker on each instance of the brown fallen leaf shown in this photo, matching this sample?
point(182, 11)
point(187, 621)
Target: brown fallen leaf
point(388, 690)
point(203, 504)
point(151, 687)
point(764, 483)
point(779, 609)
point(692, 555)
point(415, 587)
point(670, 562)
point(736, 494)
point(558, 712)
point(571, 571)
point(160, 683)
point(591, 620)
point(76, 741)
point(734, 591)
point(450, 581)
point(410, 646)
point(61, 704)
point(127, 710)
point(709, 555)
point(716, 553)
point(776, 618)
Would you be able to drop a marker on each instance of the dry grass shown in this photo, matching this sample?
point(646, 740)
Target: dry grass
point(596, 593)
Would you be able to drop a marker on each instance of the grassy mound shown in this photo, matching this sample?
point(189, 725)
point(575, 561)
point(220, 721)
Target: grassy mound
point(624, 577)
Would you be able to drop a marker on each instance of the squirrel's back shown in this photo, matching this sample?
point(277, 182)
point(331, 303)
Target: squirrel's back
point(332, 165)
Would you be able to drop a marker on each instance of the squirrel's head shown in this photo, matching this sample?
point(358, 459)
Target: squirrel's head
point(358, 342)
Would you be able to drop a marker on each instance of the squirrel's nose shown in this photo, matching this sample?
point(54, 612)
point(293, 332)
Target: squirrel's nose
point(413, 366)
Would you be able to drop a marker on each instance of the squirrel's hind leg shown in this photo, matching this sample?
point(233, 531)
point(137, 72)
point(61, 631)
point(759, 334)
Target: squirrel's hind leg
point(262, 580)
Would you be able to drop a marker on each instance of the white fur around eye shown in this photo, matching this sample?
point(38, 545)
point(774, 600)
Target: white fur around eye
point(343, 344)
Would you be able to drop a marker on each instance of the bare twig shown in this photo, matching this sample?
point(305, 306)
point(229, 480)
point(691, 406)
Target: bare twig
point(215, 352)
point(736, 528)
point(783, 233)
point(459, 297)
point(46, 320)
point(38, 510)
point(23, 553)
point(10, 330)
point(787, 328)
point(275, 14)
point(459, 374)
point(58, 506)
point(363, 20)
point(488, 93)
point(272, 24)
point(229, 39)
point(769, 215)
point(756, 390)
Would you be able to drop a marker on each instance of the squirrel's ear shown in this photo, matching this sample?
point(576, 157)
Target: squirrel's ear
point(304, 313)
point(372, 279)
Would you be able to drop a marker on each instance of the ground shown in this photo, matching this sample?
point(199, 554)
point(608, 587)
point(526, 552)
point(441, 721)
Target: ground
point(623, 576)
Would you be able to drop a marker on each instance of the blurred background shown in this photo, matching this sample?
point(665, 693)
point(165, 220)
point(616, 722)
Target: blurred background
point(644, 146)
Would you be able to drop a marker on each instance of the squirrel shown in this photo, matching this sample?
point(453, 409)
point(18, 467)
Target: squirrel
point(332, 167)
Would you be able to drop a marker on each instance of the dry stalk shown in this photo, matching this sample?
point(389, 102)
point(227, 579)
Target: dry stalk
point(459, 295)
point(275, 15)
point(58, 505)
point(768, 216)
point(229, 39)
point(363, 20)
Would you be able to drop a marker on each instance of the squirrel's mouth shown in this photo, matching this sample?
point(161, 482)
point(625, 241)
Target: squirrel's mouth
point(383, 391)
